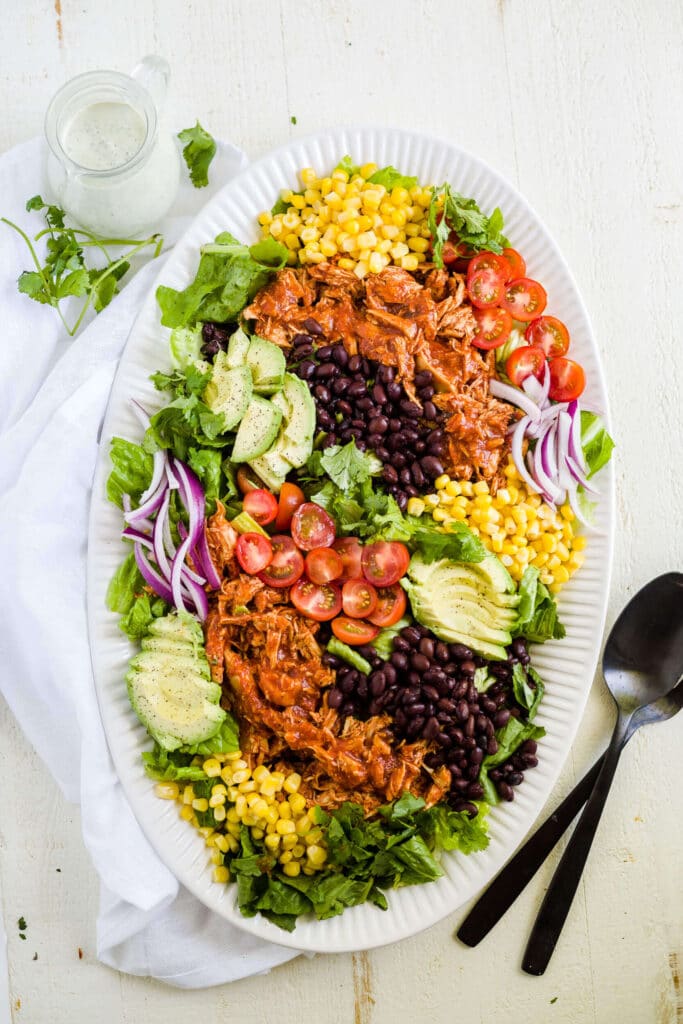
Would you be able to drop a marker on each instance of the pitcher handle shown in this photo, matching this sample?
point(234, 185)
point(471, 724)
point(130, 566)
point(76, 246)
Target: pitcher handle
point(153, 74)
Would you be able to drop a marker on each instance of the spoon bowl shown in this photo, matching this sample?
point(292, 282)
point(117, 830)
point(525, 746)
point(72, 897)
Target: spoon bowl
point(642, 664)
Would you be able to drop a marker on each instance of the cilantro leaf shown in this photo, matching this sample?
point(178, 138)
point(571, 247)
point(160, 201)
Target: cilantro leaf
point(463, 216)
point(456, 542)
point(199, 149)
point(348, 466)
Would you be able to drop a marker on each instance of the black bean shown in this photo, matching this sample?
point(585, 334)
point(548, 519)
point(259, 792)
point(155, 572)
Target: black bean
point(363, 404)
point(379, 394)
point(307, 369)
point(390, 474)
point(326, 370)
point(429, 411)
point(459, 651)
point(335, 697)
point(419, 447)
point(377, 683)
point(394, 425)
point(324, 353)
point(492, 746)
point(312, 326)
point(529, 747)
point(475, 791)
point(303, 351)
point(381, 453)
point(417, 474)
point(399, 660)
point(501, 718)
point(530, 760)
point(476, 755)
point(362, 688)
point(389, 673)
point(411, 634)
point(470, 726)
point(441, 652)
point(379, 425)
point(356, 390)
point(419, 662)
point(467, 667)
point(394, 391)
point(462, 711)
point(402, 501)
point(431, 466)
point(409, 409)
point(340, 355)
point(423, 378)
point(505, 791)
point(515, 778)
point(322, 393)
point(426, 394)
point(399, 460)
point(405, 477)
point(325, 421)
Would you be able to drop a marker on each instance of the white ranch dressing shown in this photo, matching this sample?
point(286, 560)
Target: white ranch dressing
point(103, 136)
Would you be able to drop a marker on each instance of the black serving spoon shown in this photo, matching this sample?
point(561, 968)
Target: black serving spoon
point(643, 666)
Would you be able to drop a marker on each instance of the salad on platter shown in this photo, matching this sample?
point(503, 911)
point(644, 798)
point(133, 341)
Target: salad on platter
point(347, 526)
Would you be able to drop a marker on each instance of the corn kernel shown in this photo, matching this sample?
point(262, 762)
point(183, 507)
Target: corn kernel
point(440, 515)
point(298, 803)
point(579, 543)
point(415, 506)
point(302, 825)
point(316, 855)
point(292, 869)
point(272, 841)
point(167, 790)
point(285, 827)
point(221, 874)
point(410, 262)
point(346, 264)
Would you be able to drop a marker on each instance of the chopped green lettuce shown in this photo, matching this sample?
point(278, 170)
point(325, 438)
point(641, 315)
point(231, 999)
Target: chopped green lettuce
point(391, 178)
point(228, 276)
point(127, 596)
point(348, 654)
point(528, 688)
point(131, 471)
point(596, 442)
point(347, 164)
point(509, 739)
point(538, 619)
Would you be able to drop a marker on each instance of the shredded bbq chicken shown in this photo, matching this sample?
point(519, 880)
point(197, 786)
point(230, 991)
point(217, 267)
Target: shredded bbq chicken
point(407, 321)
point(268, 660)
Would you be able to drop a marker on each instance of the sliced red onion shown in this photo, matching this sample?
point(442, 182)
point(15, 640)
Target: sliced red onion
point(515, 397)
point(158, 538)
point(205, 562)
point(158, 467)
point(152, 505)
point(551, 490)
point(579, 476)
point(575, 446)
point(516, 448)
point(198, 598)
point(192, 497)
point(176, 575)
point(138, 538)
point(548, 453)
point(536, 389)
point(141, 413)
point(152, 576)
point(548, 415)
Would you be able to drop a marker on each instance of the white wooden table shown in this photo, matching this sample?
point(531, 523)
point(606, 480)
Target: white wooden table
point(578, 102)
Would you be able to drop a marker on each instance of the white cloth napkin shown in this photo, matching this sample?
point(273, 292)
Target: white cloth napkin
point(53, 394)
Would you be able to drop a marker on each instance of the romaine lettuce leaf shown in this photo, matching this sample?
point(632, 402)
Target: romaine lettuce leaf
point(528, 696)
point(127, 596)
point(538, 619)
point(391, 178)
point(131, 472)
point(596, 442)
point(228, 276)
point(509, 739)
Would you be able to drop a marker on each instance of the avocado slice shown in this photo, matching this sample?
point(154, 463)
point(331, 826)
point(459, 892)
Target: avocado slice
point(238, 346)
point(461, 603)
point(257, 431)
point(272, 468)
point(296, 442)
point(267, 364)
point(229, 391)
point(170, 686)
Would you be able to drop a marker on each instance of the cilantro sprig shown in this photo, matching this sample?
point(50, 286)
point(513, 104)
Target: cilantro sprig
point(464, 217)
point(64, 272)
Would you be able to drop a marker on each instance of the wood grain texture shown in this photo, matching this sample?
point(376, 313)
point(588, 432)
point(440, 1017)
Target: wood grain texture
point(578, 104)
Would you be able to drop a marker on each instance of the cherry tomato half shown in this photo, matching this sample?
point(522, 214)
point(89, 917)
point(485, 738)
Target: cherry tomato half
point(495, 325)
point(353, 632)
point(524, 362)
point(516, 264)
point(323, 565)
point(567, 379)
point(291, 497)
point(550, 334)
point(385, 562)
point(350, 550)
point(485, 287)
point(359, 599)
point(312, 527)
point(261, 506)
point(317, 602)
point(391, 606)
point(489, 261)
point(287, 563)
point(254, 552)
point(247, 480)
point(525, 299)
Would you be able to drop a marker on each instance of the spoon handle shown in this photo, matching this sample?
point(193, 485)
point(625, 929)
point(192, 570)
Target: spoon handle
point(518, 872)
point(565, 881)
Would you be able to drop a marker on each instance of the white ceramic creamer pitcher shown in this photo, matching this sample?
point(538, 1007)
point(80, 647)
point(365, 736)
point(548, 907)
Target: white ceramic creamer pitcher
point(111, 164)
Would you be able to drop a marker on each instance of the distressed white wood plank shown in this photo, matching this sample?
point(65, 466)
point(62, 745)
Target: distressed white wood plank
point(576, 103)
